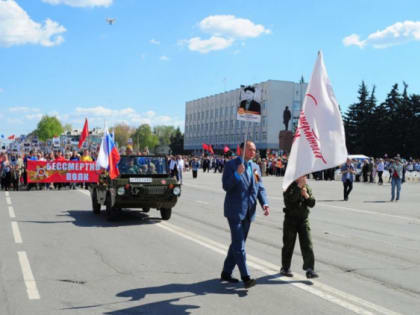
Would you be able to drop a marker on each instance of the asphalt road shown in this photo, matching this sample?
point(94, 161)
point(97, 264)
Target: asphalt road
point(57, 257)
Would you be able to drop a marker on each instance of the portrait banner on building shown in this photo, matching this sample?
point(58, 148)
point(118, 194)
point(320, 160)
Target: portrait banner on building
point(62, 172)
point(249, 108)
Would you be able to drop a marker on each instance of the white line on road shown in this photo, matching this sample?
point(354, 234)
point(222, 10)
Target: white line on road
point(16, 233)
point(202, 202)
point(372, 212)
point(8, 201)
point(348, 301)
point(375, 213)
point(12, 212)
point(6, 193)
point(321, 290)
point(28, 277)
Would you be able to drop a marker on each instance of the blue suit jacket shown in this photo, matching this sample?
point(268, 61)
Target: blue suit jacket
point(242, 193)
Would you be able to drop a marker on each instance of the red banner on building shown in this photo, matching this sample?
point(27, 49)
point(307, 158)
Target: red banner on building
point(62, 172)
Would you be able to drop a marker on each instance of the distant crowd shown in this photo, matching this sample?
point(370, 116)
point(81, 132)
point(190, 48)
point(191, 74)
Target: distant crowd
point(13, 166)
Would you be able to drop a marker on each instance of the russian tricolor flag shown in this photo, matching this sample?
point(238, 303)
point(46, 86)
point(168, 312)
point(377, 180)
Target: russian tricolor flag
point(108, 156)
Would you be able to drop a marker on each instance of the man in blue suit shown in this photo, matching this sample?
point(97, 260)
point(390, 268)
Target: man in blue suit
point(243, 185)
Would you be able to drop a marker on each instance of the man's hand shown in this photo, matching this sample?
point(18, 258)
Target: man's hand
point(241, 169)
point(304, 193)
point(266, 210)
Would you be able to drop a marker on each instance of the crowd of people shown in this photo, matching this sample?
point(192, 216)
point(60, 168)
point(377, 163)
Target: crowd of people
point(371, 170)
point(13, 167)
point(242, 181)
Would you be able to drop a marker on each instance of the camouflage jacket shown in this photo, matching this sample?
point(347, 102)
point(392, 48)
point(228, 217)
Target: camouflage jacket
point(295, 204)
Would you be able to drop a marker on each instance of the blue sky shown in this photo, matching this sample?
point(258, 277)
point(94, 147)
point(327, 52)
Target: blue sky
point(60, 57)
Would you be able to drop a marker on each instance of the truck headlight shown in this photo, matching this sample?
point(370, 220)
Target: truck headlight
point(176, 191)
point(121, 191)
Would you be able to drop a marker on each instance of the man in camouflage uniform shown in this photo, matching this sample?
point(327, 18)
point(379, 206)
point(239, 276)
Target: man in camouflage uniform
point(298, 199)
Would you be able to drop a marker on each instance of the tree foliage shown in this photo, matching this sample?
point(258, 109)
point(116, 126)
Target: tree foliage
point(67, 127)
point(164, 134)
point(143, 138)
point(390, 127)
point(177, 142)
point(48, 127)
point(122, 132)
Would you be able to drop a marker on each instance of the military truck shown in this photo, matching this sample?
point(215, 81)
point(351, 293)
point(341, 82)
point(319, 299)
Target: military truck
point(144, 182)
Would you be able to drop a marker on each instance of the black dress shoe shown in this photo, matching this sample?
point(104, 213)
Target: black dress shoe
point(248, 282)
point(228, 278)
point(286, 272)
point(310, 274)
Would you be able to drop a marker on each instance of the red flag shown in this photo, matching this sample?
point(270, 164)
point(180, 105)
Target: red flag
point(211, 149)
point(226, 149)
point(11, 137)
point(205, 147)
point(84, 134)
point(238, 151)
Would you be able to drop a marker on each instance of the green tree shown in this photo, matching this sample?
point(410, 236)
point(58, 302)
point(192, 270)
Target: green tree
point(164, 134)
point(391, 134)
point(122, 132)
point(177, 142)
point(48, 127)
point(67, 127)
point(353, 121)
point(144, 138)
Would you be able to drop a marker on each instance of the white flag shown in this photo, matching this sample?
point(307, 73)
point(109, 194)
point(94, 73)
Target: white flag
point(319, 142)
point(103, 154)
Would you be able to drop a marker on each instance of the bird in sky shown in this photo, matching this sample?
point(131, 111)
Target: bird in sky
point(110, 21)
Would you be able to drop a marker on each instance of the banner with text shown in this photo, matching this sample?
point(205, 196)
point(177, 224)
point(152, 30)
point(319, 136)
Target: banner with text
point(62, 172)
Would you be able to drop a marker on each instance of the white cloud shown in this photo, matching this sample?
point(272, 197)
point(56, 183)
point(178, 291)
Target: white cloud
point(396, 34)
point(231, 26)
point(98, 114)
point(17, 28)
point(206, 45)
point(154, 42)
point(353, 39)
point(95, 111)
point(15, 121)
point(33, 116)
point(224, 30)
point(81, 3)
point(164, 58)
point(23, 109)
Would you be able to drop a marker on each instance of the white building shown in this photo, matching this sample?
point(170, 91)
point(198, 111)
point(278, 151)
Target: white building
point(212, 119)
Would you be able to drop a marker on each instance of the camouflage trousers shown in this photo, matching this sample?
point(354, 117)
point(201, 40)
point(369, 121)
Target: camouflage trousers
point(291, 228)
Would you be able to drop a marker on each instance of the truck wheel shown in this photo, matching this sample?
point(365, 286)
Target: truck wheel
point(146, 210)
point(110, 210)
point(165, 213)
point(96, 206)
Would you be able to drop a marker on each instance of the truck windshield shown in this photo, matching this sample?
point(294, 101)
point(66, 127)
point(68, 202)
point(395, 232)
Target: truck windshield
point(142, 165)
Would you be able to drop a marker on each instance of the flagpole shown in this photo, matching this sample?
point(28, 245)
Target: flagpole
point(246, 136)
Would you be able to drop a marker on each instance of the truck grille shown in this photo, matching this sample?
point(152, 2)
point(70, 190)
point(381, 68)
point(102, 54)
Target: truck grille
point(149, 190)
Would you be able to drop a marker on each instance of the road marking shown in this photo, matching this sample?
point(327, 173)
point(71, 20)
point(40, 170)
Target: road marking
point(8, 201)
point(348, 301)
point(202, 202)
point(16, 233)
point(86, 192)
point(372, 212)
point(345, 300)
point(6, 193)
point(323, 204)
point(12, 212)
point(28, 277)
